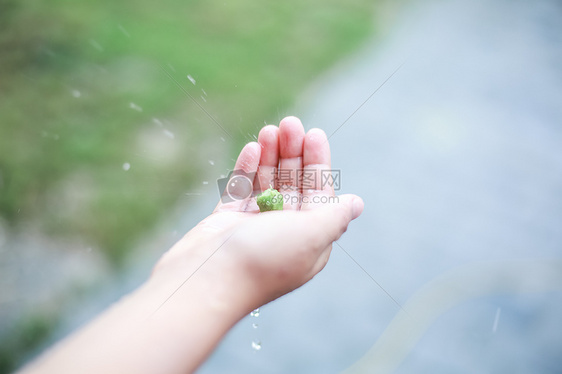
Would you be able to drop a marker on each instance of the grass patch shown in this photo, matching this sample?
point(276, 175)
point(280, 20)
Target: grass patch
point(26, 337)
point(82, 94)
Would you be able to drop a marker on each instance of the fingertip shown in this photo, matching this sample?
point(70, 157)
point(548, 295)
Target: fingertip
point(291, 137)
point(316, 134)
point(268, 140)
point(354, 203)
point(252, 149)
point(249, 157)
point(291, 126)
point(316, 148)
point(268, 131)
point(290, 120)
point(357, 207)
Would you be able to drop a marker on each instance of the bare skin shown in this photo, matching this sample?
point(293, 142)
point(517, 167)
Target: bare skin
point(232, 262)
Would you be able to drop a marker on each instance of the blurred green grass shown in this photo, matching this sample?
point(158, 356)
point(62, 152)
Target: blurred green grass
point(73, 72)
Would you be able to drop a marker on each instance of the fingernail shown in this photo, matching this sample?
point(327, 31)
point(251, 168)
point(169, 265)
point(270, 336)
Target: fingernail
point(357, 207)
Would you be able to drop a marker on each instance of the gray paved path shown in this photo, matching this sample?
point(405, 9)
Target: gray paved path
point(459, 159)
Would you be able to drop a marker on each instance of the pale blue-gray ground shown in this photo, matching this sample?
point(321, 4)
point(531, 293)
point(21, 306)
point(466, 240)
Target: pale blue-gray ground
point(459, 160)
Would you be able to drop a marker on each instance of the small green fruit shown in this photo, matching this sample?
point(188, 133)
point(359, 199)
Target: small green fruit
point(270, 199)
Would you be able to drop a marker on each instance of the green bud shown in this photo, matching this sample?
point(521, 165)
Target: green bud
point(270, 199)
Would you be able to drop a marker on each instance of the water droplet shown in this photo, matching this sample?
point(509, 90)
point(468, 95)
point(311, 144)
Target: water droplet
point(205, 182)
point(191, 79)
point(135, 107)
point(256, 345)
point(126, 166)
point(496, 320)
point(124, 31)
point(76, 93)
point(255, 325)
point(223, 139)
point(203, 98)
point(211, 162)
point(96, 45)
point(204, 93)
point(255, 312)
point(169, 134)
point(157, 122)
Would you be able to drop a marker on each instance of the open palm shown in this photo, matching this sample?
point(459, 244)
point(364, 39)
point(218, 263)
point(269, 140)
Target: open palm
point(278, 251)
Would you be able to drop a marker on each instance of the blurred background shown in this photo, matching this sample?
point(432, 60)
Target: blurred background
point(116, 120)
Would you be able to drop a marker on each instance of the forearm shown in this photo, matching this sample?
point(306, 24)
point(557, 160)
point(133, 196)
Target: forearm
point(148, 333)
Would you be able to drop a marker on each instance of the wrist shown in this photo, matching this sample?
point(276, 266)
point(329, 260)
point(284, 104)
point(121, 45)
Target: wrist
point(204, 284)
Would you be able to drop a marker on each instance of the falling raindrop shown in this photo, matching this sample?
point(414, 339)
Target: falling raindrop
point(157, 122)
point(169, 134)
point(76, 93)
point(205, 182)
point(135, 107)
point(203, 98)
point(204, 92)
point(255, 325)
point(256, 345)
point(496, 320)
point(211, 162)
point(255, 312)
point(124, 31)
point(191, 79)
point(96, 45)
point(126, 166)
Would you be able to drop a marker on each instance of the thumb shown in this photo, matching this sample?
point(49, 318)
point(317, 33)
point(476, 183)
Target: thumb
point(333, 218)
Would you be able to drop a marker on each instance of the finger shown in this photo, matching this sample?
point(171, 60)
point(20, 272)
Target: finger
point(335, 220)
point(317, 184)
point(327, 223)
point(312, 231)
point(291, 138)
point(269, 160)
point(239, 187)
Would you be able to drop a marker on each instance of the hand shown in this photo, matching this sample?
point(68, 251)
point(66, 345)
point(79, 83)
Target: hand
point(234, 261)
point(270, 253)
